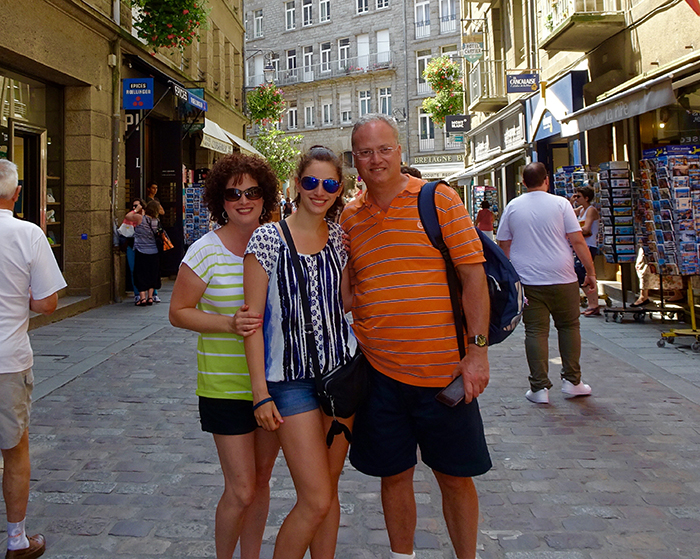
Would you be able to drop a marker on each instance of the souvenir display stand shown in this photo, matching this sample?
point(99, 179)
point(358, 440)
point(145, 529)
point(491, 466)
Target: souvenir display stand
point(670, 209)
point(195, 213)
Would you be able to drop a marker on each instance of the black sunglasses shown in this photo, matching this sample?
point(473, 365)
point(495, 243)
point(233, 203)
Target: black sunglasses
point(311, 183)
point(234, 194)
point(135, 206)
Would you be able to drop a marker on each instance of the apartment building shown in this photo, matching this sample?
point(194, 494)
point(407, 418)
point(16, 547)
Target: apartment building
point(338, 60)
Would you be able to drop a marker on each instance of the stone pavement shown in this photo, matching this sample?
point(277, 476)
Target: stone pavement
point(121, 468)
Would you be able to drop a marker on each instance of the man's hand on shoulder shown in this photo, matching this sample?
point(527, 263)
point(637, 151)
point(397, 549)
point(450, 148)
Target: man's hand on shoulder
point(474, 369)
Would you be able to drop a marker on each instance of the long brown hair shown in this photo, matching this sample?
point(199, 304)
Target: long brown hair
point(322, 153)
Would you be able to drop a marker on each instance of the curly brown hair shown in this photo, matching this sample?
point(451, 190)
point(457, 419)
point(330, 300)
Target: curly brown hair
point(321, 153)
point(235, 166)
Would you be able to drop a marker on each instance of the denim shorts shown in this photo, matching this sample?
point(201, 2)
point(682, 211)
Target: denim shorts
point(294, 397)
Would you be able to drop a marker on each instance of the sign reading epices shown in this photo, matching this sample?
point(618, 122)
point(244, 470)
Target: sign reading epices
point(137, 94)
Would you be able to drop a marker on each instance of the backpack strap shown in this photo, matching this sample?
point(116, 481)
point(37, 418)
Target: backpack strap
point(431, 225)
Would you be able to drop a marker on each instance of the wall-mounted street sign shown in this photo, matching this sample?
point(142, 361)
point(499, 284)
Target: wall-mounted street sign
point(188, 97)
point(137, 94)
point(522, 83)
point(458, 123)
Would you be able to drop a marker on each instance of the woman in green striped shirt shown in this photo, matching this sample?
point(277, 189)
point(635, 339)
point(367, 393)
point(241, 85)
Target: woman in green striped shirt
point(241, 192)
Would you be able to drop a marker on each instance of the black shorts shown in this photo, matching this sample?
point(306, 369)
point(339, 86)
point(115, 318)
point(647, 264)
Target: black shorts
point(397, 418)
point(222, 416)
point(578, 266)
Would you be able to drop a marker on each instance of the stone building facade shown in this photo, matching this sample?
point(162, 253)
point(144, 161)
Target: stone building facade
point(338, 60)
point(82, 156)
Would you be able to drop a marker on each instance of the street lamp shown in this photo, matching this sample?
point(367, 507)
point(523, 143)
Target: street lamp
point(269, 69)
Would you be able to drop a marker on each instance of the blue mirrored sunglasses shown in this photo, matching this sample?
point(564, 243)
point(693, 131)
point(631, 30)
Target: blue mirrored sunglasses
point(311, 183)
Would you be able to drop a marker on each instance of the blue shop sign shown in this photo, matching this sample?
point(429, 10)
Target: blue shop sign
point(543, 114)
point(522, 83)
point(137, 94)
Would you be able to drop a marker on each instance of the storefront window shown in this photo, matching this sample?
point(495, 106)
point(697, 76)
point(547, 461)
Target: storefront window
point(677, 124)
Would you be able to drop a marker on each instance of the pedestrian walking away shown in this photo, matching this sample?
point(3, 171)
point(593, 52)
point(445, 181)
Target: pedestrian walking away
point(281, 366)
point(29, 280)
point(535, 231)
point(240, 192)
point(403, 320)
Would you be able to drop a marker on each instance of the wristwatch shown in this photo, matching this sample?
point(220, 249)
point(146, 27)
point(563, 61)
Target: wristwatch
point(479, 340)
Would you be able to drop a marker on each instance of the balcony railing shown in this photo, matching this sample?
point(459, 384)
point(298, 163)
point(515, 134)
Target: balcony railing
point(423, 87)
point(448, 23)
point(580, 25)
point(426, 144)
point(357, 65)
point(487, 88)
point(422, 29)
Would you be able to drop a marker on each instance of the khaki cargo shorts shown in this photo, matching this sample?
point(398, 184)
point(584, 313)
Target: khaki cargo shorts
point(15, 406)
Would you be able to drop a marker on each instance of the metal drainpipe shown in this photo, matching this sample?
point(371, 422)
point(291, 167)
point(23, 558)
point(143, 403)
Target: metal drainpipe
point(116, 127)
point(405, 67)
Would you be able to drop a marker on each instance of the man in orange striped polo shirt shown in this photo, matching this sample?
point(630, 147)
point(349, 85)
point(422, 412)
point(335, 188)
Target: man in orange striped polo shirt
point(403, 320)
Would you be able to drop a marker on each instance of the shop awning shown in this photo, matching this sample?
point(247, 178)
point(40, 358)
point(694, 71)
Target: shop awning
point(241, 143)
point(645, 97)
point(214, 138)
point(482, 167)
point(439, 170)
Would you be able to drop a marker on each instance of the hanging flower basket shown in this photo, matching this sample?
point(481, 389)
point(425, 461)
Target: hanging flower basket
point(170, 23)
point(266, 104)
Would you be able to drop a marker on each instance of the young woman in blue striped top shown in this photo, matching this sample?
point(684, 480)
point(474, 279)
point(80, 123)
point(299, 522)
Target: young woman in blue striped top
point(241, 192)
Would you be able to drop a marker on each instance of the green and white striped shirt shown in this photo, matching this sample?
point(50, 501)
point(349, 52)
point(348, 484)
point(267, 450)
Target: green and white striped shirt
point(223, 371)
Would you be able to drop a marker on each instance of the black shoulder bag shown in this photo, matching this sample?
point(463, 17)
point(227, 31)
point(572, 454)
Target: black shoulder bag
point(342, 390)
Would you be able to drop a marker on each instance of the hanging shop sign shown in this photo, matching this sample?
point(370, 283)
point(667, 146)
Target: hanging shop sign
point(473, 48)
point(458, 123)
point(522, 83)
point(188, 97)
point(137, 94)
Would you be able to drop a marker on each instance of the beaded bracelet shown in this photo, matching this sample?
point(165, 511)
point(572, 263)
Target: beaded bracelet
point(262, 402)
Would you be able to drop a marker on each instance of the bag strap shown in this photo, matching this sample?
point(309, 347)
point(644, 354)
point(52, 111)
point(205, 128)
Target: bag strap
point(431, 225)
point(305, 305)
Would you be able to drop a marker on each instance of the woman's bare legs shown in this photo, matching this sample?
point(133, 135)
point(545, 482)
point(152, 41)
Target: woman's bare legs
point(237, 458)
point(324, 542)
point(267, 447)
point(303, 444)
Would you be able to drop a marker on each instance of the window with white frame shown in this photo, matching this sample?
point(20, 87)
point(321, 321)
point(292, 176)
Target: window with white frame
point(308, 116)
point(448, 16)
point(308, 64)
point(422, 59)
point(327, 111)
point(383, 47)
point(324, 8)
point(362, 6)
point(345, 108)
point(292, 116)
point(382, 4)
point(422, 18)
point(363, 51)
point(343, 53)
point(275, 60)
point(326, 57)
point(365, 102)
point(385, 100)
point(426, 128)
point(257, 23)
point(290, 15)
point(449, 50)
point(292, 63)
point(307, 16)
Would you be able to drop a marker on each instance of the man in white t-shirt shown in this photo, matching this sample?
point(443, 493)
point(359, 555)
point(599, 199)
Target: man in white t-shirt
point(537, 231)
point(29, 279)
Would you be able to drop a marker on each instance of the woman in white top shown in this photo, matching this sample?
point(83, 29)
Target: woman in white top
point(241, 193)
point(589, 219)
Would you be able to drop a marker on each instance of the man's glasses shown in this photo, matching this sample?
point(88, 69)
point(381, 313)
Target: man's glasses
point(365, 154)
point(234, 194)
point(311, 183)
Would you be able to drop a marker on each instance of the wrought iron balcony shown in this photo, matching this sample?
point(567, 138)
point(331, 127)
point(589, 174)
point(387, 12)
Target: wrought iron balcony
point(580, 25)
point(487, 86)
point(374, 62)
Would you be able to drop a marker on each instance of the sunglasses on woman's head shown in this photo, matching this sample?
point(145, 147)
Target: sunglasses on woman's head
point(311, 183)
point(234, 194)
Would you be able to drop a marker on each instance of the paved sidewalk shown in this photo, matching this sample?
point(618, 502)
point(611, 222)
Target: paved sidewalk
point(121, 468)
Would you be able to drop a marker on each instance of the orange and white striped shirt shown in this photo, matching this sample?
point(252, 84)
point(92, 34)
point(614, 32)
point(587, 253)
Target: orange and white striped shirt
point(401, 304)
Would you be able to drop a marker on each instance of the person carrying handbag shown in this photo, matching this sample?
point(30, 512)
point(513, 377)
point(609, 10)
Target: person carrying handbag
point(146, 260)
point(280, 363)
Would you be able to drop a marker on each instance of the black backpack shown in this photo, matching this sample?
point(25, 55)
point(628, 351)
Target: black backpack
point(505, 289)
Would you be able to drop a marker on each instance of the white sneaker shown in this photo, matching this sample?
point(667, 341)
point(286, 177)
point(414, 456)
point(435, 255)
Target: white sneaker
point(573, 390)
point(156, 299)
point(539, 396)
point(137, 298)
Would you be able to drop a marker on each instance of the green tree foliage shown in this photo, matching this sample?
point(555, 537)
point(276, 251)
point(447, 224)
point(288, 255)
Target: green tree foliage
point(444, 76)
point(280, 150)
point(170, 23)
